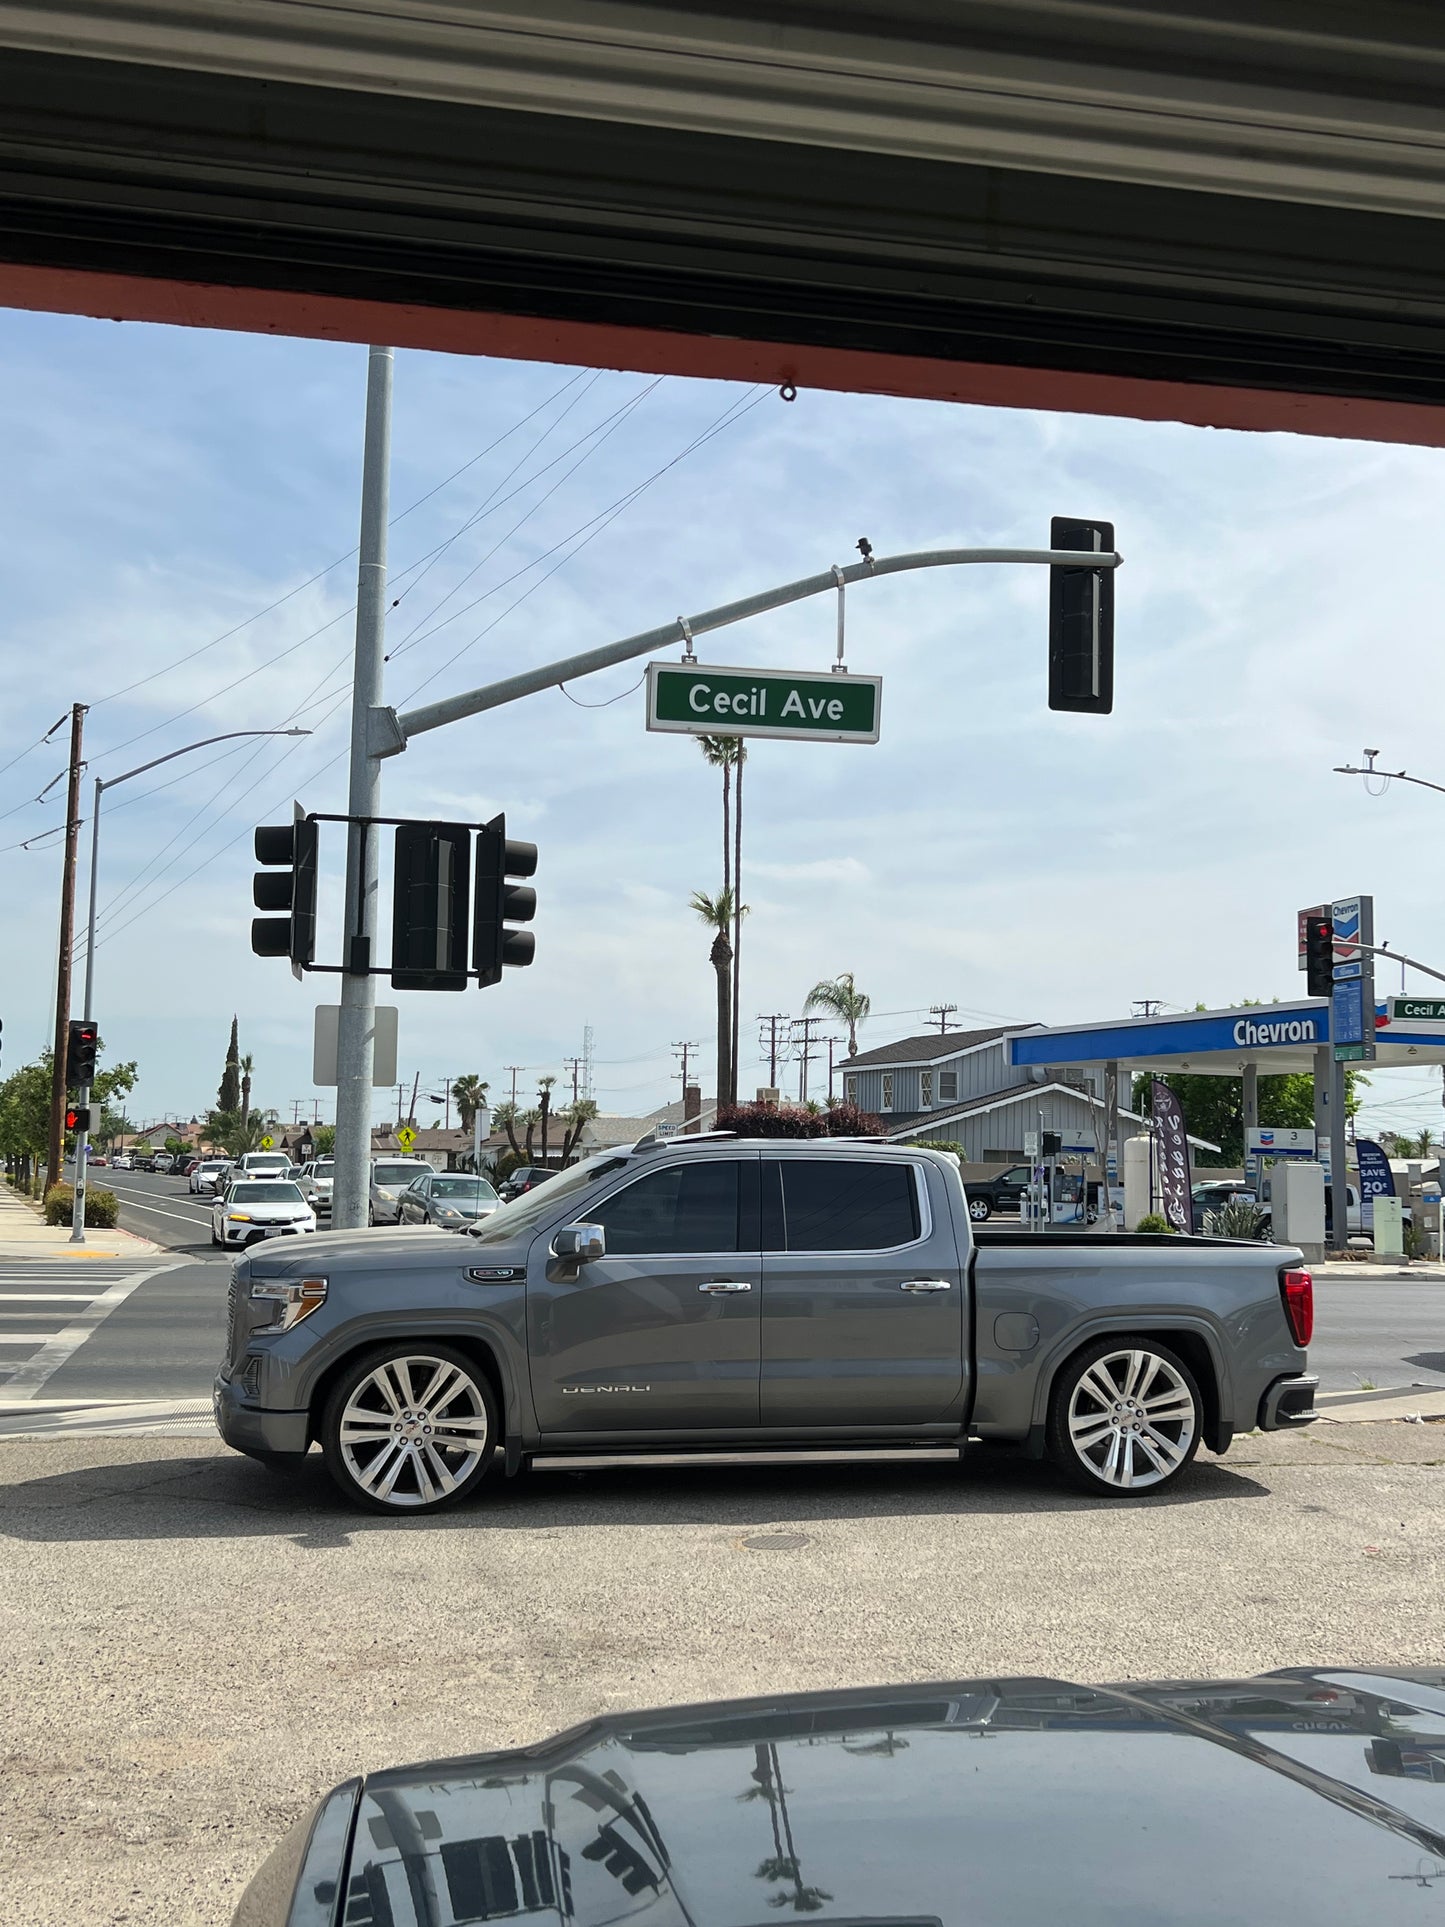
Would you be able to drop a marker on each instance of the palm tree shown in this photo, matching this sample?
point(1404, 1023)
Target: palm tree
point(717, 913)
point(575, 1119)
point(247, 1066)
point(544, 1108)
point(470, 1093)
point(728, 753)
point(845, 1000)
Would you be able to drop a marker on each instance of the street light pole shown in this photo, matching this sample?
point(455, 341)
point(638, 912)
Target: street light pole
point(356, 1024)
point(82, 1138)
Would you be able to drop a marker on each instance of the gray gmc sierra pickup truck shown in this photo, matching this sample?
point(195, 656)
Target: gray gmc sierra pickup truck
point(721, 1292)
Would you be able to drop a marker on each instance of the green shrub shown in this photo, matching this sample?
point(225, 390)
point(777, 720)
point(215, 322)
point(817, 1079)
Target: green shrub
point(1155, 1222)
point(1237, 1219)
point(1416, 1244)
point(102, 1208)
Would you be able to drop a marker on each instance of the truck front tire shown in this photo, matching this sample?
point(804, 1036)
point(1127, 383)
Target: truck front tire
point(410, 1428)
point(1124, 1416)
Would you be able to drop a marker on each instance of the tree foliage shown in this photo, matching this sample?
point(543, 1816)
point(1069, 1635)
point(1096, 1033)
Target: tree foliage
point(1213, 1107)
point(794, 1120)
point(228, 1097)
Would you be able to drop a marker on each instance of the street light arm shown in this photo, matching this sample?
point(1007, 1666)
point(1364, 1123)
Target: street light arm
point(1398, 956)
point(1388, 776)
point(390, 732)
point(231, 735)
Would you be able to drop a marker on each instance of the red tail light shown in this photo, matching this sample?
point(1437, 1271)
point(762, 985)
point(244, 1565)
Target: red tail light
point(1297, 1289)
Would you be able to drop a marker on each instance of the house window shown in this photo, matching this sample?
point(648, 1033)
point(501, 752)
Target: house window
point(887, 1103)
point(850, 1090)
point(925, 1090)
point(947, 1087)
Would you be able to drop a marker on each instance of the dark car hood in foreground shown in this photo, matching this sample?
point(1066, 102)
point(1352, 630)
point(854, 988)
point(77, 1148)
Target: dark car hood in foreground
point(1317, 1796)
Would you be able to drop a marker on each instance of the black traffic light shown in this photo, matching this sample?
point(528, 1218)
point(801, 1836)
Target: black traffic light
point(80, 1050)
point(1319, 956)
point(77, 1117)
point(1081, 622)
point(498, 903)
point(429, 919)
point(288, 887)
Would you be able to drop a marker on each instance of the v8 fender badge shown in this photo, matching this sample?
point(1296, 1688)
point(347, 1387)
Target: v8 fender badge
point(495, 1274)
point(583, 1391)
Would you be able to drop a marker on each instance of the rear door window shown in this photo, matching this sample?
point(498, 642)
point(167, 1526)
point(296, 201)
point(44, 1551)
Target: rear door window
point(845, 1204)
point(684, 1208)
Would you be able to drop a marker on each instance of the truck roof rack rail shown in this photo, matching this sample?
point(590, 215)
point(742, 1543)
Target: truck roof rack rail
point(655, 1142)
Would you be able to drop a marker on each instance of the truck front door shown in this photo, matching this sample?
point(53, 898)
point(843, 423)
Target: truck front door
point(863, 1290)
point(661, 1334)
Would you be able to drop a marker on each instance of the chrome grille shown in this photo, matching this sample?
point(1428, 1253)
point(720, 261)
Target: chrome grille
point(231, 1295)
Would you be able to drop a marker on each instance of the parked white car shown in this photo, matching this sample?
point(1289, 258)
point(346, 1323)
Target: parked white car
point(315, 1182)
point(260, 1208)
point(264, 1164)
point(208, 1174)
point(122, 1161)
point(389, 1178)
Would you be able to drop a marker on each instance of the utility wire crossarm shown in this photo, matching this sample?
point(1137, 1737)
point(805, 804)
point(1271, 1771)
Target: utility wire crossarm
point(390, 732)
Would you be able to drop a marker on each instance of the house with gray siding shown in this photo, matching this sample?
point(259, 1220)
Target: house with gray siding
point(960, 1086)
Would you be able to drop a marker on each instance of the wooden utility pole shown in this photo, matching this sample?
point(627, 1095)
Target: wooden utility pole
point(54, 1162)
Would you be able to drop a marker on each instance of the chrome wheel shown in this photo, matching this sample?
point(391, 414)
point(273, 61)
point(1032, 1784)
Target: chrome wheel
point(1131, 1418)
point(979, 1209)
point(413, 1431)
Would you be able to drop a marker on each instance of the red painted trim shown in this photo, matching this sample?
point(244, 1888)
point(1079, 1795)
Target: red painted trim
point(120, 297)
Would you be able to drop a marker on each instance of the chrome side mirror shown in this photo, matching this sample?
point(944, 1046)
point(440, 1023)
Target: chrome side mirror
point(580, 1243)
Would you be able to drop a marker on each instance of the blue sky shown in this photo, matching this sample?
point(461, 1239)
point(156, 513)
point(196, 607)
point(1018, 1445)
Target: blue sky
point(1277, 611)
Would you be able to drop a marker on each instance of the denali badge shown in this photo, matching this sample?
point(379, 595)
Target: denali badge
point(577, 1391)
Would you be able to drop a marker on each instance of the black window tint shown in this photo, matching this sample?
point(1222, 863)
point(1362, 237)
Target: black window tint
point(837, 1204)
point(688, 1207)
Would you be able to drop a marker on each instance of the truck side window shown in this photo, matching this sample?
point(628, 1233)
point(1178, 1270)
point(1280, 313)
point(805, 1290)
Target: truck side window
point(838, 1204)
point(686, 1207)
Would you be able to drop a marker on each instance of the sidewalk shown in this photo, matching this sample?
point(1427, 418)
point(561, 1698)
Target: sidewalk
point(1422, 1271)
point(1425, 1403)
point(25, 1234)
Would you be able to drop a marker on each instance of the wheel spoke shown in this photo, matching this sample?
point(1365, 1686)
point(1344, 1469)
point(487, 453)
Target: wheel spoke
point(1091, 1430)
point(443, 1385)
point(360, 1427)
point(1098, 1387)
point(426, 1491)
point(446, 1478)
point(1135, 1372)
point(1165, 1453)
point(382, 1380)
point(1173, 1404)
point(388, 1460)
point(459, 1437)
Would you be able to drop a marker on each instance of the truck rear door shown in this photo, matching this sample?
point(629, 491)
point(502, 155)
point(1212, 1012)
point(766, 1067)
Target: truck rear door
point(863, 1290)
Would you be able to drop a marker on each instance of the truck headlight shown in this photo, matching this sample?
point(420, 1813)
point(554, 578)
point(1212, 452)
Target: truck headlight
point(294, 1299)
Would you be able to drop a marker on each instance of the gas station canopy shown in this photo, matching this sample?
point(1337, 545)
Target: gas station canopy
point(1275, 1038)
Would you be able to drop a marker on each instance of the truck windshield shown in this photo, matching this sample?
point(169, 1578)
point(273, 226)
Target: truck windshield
point(517, 1218)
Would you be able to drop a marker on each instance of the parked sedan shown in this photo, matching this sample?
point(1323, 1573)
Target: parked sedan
point(260, 1208)
point(452, 1201)
point(122, 1161)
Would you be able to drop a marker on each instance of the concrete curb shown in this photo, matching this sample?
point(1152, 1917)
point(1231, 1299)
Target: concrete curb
point(1425, 1403)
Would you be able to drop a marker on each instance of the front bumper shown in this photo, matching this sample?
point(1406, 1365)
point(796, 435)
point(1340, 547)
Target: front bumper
point(245, 1234)
point(248, 1428)
point(1289, 1401)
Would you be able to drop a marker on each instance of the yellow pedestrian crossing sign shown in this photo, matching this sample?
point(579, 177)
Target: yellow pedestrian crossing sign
point(406, 1137)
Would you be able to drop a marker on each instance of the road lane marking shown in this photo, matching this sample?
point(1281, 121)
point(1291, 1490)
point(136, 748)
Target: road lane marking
point(180, 1216)
point(27, 1378)
point(26, 1338)
point(48, 1297)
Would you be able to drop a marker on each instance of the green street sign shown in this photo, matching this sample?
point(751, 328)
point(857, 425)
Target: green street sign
point(1427, 1008)
point(699, 699)
point(1354, 1053)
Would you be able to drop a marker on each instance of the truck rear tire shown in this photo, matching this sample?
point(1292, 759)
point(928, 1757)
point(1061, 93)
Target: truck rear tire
point(1124, 1417)
point(410, 1428)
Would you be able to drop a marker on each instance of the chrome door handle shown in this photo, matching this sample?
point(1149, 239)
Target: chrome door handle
point(725, 1285)
point(925, 1284)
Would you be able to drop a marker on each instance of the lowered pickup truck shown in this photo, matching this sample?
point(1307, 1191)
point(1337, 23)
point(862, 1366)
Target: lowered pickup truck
point(724, 1293)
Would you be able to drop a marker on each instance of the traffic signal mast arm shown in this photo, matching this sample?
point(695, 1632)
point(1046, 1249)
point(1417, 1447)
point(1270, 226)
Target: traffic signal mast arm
point(390, 732)
point(1399, 957)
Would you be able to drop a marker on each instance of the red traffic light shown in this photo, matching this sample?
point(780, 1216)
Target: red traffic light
point(1319, 955)
point(77, 1117)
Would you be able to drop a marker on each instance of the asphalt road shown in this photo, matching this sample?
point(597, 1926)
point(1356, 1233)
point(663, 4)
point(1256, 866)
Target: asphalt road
point(194, 1648)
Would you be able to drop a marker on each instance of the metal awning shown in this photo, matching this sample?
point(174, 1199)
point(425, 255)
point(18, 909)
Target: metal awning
point(1276, 1038)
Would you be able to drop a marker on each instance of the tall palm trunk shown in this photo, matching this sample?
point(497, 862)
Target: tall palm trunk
point(722, 957)
point(737, 1010)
